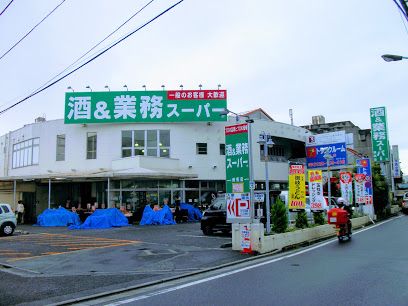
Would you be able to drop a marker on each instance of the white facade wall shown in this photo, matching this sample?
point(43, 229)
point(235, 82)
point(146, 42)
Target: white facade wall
point(183, 139)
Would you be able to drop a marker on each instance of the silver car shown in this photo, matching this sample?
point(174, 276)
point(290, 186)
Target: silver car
point(8, 220)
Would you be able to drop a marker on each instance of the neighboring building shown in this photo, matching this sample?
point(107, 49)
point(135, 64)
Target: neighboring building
point(360, 142)
point(47, 163)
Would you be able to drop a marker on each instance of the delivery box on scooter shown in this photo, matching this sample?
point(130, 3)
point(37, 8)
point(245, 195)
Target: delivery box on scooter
point(337, 216)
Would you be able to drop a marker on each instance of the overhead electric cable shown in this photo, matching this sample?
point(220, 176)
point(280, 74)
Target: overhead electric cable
point(6, 7)
point(87, 52)
point(21, 39)
point(401, 9)
point(93, 58)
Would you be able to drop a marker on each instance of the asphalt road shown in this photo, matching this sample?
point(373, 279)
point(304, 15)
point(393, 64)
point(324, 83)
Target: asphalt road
point(54, 264)
point(371, 269)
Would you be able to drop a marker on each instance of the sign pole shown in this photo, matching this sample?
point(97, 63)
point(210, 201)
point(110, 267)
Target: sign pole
point(251, 169)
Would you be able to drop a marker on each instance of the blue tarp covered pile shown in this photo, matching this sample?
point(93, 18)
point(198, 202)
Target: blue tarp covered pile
point(58, 217)
point(103, 218)
point(194, 214)
point(159, 217)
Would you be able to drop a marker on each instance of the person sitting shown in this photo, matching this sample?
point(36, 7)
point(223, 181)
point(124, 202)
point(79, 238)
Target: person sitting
point(343, 204)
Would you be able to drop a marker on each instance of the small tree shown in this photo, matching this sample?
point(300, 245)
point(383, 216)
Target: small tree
point(279, 216)
point(318, 218)
point(301, 220)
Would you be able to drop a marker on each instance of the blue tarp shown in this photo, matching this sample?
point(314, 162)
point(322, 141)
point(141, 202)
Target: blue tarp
point(194, 214)
point(103, 218)
point(58, 217)
point(163, 216)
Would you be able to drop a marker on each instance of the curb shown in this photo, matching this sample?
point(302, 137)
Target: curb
point(168, 279)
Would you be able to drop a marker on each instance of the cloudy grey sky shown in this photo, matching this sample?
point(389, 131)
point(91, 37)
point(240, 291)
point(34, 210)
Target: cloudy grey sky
point(316, 57)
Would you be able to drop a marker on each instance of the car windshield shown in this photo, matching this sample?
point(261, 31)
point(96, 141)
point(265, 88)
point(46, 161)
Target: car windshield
point(219, 203)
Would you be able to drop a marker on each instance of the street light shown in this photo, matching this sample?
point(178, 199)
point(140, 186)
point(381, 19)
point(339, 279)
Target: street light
point(267, 142)
point(89, 87)
point(251, 169)
point(69, 87)
point(163, 87)
point(125, 86)
point(392, 57)
point(328, 157)
point(144, 86)
point(181, 87)
point(106, 86)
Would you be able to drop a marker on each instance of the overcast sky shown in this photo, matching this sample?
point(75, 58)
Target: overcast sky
point(316, 57)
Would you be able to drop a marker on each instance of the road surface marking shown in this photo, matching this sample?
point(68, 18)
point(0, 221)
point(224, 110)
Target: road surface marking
point(204, 280)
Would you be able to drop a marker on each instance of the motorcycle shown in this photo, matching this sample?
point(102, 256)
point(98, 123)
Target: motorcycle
point(341, 221)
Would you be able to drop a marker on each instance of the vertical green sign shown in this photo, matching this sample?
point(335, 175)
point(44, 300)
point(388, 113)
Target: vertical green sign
point(237, 158)
point(379, 134)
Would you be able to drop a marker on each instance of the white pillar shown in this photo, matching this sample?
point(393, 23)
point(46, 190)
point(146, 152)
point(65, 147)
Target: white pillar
point(49, 193)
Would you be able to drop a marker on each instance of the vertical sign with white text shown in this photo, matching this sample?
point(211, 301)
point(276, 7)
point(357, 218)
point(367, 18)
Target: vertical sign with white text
point(237, 173)
point(379, 134)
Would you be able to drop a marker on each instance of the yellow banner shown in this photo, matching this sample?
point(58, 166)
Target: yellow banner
point(297, 187)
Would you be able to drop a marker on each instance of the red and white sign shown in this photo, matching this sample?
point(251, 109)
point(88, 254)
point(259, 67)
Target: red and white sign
point(245, 230)
point(236, 129)
point(238, 206)
point(196, 94)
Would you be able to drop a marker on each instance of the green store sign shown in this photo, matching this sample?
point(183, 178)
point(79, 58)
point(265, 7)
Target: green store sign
point(144, 106)
point(237, 158)
point(379, 134)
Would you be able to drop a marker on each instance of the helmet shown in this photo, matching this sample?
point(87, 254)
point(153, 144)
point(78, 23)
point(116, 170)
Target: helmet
point(341, 201)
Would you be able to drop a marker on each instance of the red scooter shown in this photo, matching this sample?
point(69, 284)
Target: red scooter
point(340, 219)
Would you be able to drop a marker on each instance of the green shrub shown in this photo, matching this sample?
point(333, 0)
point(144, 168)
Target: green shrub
point(279, 216)
point(301, 220)
point(319, 218)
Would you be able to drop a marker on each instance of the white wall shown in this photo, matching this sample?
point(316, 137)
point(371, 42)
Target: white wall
point(184, 137)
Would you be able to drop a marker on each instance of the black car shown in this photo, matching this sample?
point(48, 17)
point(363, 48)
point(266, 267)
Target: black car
point(215, 217)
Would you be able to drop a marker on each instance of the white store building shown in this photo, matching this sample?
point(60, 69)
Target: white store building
point(47, 163)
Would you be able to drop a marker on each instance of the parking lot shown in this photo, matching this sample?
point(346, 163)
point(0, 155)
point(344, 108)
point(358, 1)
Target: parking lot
point(132, 255)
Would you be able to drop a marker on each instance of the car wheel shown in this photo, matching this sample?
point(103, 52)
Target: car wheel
point(7, 229)
point(207, 230)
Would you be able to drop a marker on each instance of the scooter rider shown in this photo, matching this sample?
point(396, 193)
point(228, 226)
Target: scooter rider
point(342, 203)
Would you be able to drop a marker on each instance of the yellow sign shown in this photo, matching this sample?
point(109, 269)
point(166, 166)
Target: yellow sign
point(297, 188)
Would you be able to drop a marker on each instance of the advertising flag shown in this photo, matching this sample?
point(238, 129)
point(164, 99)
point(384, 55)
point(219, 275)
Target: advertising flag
point(317, 201)
point(364, 167)
point(297, 188)
point(359, 181)
point(346, 186)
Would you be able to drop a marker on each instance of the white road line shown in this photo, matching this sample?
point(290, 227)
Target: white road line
point(204, 280)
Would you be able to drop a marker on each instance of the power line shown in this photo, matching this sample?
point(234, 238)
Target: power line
point(87, 52)
point(401, 9)
point(93, 58)
point(31, 29)
point(6, 7)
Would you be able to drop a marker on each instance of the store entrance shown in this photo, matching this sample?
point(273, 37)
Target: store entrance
point(135, 201)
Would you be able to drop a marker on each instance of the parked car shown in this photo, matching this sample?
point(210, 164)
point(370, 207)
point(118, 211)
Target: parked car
point(8, 220)
point(404, 206)
point(215, 217)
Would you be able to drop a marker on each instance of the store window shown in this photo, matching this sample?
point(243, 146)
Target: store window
point(91, 145)
point(60, 148)
point(201, 148)
point(146, 142)
point(26, 153)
